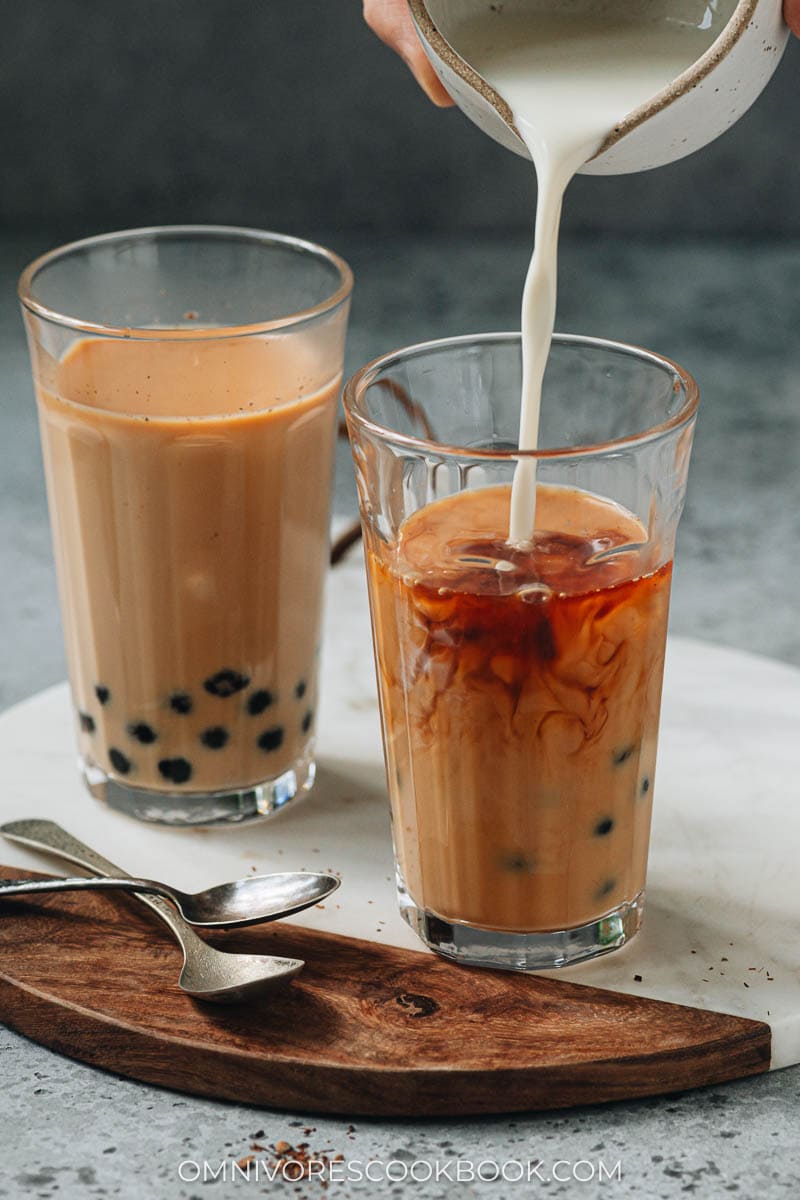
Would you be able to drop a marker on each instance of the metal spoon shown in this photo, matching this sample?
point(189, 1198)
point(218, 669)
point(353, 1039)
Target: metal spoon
point(208, 974)
point(229, 905)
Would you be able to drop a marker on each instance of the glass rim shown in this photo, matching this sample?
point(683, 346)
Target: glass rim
point(358, 383)
point(182, 332)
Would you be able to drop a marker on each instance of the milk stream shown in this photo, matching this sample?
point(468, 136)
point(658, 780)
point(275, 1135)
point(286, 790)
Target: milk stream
point(568, 80)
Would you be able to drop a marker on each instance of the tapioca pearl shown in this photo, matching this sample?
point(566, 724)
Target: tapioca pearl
point(119, 761)
point(259, 702)
point(517, 862)
point(623, 754)
point(226, 683)
point(102, 692)
point(215, 737)
point(181, 702)
point(645, 785)
point(86, 721)
point(175, 770)
point(605, 889)
point(140, 731)
point(603, 827)
point(301, 689)
point(307, 721)
point(544, 640)
point(271, 739)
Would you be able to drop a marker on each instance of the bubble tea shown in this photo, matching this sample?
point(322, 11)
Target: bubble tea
point(188, 477)
point(520, 684)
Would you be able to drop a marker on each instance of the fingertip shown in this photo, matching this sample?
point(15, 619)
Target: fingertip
point(438, 95)
point(429, 81)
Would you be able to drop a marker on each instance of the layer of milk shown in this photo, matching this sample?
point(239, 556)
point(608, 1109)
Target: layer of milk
point(568, 81)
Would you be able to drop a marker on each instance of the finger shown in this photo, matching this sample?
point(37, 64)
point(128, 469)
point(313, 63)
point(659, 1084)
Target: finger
point(791, 11)
point(426, 77)
point(391, 21)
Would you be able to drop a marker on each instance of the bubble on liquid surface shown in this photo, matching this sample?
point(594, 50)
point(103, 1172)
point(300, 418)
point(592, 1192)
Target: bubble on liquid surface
point(535, 593)
point(484, 560)
point(605, 549)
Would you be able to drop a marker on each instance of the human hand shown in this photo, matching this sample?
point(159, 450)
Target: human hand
point(391, 21)
point(791, 11)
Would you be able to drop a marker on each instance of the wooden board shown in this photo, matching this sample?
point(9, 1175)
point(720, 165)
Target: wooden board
point(364, 1030)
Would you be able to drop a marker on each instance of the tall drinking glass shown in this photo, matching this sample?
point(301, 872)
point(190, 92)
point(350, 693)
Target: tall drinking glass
point(187, 381)
point(520, 684)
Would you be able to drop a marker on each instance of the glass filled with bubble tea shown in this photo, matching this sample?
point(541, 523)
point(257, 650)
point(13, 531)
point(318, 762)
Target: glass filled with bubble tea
point(187, 381)
point(520, 684)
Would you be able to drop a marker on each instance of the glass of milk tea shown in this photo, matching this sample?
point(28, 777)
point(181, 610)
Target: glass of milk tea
point(520, 682)
point(187, 381)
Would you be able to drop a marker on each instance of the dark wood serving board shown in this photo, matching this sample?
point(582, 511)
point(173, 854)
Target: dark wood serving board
point(364, 1029)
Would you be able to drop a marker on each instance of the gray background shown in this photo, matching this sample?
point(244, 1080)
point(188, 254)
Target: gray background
point(287, 114)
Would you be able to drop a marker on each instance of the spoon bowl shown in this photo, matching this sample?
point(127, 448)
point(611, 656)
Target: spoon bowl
point(224, 978)
point(690, 112)
point(257, 898)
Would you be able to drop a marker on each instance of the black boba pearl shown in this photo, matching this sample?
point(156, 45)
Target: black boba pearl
point(300, 690)
point(603, 827)
point(86, 722)
point(102, 693)
point(622, 756)
point(119, 761)
point(271, 739)
point(175, 770)
point(215, 737)
point(518, 863)
point(605, 889)
point(181, 702)
point(544, 640)
point(259, 701)
point(645, 786)
point(305, 724)
point(226, 683)
point(142, 732)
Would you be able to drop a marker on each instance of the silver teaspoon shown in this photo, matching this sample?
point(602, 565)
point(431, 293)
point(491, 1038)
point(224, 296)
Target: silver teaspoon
point(229, 905)
point(208, 974)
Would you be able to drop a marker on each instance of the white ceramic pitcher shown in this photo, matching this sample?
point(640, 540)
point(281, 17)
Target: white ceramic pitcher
point(690, 112)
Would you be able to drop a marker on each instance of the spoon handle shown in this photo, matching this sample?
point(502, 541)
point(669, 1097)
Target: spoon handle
point(47, 836)
point(32, 887)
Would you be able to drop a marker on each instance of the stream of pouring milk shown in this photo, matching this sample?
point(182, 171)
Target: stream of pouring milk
point(568, 81)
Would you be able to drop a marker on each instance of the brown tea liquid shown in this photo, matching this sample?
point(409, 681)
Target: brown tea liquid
point(520, 694)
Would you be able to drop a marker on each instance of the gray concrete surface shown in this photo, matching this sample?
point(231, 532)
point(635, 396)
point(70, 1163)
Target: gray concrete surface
point(729, 312)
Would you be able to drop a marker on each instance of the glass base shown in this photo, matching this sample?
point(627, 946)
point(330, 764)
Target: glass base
point(523, 951)
point(235, 807)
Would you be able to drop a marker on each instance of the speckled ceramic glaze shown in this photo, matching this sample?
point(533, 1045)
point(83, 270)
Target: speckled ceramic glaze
point(693, 110)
